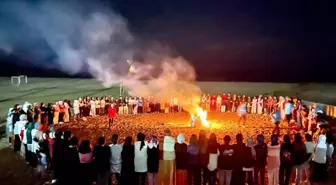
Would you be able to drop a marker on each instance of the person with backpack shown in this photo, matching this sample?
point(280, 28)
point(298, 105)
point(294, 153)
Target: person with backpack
point(273, 161)
point(299, 157)
point(225, 161)
point(261, 159)
point(286, 160)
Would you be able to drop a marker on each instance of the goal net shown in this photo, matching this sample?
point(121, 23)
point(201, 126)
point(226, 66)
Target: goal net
point(17, 80)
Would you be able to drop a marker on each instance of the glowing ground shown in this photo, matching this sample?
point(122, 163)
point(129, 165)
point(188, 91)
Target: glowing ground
point(154, 124)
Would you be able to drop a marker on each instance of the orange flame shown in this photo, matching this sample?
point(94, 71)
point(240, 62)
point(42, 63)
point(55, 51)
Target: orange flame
point(202, 115)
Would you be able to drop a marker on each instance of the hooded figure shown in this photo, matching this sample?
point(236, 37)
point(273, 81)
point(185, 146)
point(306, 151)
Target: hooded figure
point(10, 121)
point(19, 125)
point(9, 125)
point(26, 106)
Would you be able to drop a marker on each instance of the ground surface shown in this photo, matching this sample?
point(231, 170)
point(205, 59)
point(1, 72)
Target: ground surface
point(52, 89)
point(154, 124)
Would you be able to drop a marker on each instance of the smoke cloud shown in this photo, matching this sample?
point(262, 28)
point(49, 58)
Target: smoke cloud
point(95, 38)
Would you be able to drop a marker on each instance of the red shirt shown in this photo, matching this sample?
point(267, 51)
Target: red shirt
point(112, 112)
point(213, 100)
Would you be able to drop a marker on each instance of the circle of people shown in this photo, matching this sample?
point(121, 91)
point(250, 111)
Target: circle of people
point(199, 162)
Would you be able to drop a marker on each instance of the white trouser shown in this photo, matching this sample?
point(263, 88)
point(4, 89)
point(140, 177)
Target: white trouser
point(273, 176)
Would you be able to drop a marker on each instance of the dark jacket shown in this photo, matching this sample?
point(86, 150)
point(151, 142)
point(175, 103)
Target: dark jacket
point(286, 154)
point(299, 155)
point(226, 157)
point(153, 159)
point(127, 157)
point(242, 155)
point(101, 156)
point(261, 154)
point(203, 155)
point(181, 156)
point(193, 154)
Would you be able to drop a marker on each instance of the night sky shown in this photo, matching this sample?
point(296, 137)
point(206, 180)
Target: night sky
point(231, 40)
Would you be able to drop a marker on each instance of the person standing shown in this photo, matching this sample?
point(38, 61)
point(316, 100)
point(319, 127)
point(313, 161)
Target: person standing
point(286, 160)
point(213, 151)
point(127, 162)
point(181, 160)
point(242, 113)
point(153, 160)
point(115, 159)
point(140, 159)
point(112, 114)
point(273, 161)
point(299, 157)
point(276, 118)
point(288, 110)
point(240, 153)
point(168, 158)
point(194, 171)
point(102, 154)
point(261, 159)
point(225, 161)
point(260, 103)
point(254, 105)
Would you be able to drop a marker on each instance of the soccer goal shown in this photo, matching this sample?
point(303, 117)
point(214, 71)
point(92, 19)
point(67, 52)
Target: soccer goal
point(17, 80)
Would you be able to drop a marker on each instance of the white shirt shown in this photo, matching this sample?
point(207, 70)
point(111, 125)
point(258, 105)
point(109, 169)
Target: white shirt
point(18, 126)
point(320, 154)
point(309, 147)
point(168, 148)
point(115, 159)
point(34, 143)
point(140, 157)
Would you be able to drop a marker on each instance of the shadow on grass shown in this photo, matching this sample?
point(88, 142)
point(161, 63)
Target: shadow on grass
point(13, 170)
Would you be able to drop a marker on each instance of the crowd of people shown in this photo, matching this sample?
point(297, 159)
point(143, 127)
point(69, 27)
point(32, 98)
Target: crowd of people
point(200, 161)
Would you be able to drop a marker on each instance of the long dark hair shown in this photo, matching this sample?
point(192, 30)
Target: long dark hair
point(239, 138)
point(202, 137)
point(141, 138)
point(329, 137)
point(84, 147)
point(128, 141)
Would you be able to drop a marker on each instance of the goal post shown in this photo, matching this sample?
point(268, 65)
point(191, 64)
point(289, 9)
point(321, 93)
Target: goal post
point(121, 89)
point(24, 77)
point(17, 80)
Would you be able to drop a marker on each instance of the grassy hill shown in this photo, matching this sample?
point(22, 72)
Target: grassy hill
point(52, 89)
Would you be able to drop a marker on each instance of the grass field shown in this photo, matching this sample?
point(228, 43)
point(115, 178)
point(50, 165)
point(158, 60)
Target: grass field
point(52, 89)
